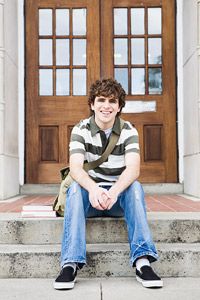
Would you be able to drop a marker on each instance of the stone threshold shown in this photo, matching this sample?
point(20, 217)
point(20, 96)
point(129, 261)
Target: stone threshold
point(153, 188)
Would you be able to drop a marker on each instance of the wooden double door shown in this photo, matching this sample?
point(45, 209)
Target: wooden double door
point(70, 44)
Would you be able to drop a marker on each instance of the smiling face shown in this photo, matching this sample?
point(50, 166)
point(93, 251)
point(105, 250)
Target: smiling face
point(105, 110)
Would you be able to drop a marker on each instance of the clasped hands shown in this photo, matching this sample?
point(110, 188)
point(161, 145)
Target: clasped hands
point(102, 199)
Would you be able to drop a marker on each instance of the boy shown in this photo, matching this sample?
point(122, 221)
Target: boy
point(109, 190)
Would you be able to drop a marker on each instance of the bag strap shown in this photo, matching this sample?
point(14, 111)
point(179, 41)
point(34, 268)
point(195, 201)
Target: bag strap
point(111, 145)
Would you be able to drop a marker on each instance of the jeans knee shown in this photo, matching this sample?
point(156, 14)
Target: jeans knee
point(73, 188)
point(135, 195)
point(74, 195)
point(136, 189)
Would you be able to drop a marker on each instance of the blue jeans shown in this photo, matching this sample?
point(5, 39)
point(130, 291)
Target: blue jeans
point(130, 203)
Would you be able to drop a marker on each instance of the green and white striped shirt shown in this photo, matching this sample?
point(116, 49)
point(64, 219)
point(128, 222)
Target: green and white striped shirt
point(86, 139)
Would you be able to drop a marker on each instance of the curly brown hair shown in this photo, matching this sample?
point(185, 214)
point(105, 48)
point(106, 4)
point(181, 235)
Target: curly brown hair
point(107, 88)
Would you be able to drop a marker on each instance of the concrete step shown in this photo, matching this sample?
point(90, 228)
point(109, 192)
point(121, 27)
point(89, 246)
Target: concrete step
point(150, 188)
point(25, 261)
point(165, 227)
point(100, 288)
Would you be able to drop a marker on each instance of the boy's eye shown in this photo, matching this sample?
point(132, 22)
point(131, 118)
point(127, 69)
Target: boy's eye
point(101, 100)
point(113, 100)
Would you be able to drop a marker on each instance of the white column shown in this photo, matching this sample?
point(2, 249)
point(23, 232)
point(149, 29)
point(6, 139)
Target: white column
point(9, 158)
point(191, 71)
point(2, 96)
point(198, 47)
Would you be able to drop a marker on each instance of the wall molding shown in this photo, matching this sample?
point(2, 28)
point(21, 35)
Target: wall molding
point(198, 24)
point(1, 25)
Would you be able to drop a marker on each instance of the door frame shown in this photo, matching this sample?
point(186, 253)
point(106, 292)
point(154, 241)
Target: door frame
point(21, 91)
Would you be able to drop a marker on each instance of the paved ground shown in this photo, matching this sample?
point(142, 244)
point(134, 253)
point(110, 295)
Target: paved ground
point(100, 289)
point(154, 203)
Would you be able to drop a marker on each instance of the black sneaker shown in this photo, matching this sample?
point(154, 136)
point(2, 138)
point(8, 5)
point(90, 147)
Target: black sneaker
point(148, 278)
point(65, 279)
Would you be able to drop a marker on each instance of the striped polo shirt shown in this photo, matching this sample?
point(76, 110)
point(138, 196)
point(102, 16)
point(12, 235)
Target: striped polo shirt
point(86, 138)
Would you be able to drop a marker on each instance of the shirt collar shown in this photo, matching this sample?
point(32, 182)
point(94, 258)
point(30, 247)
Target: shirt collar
point(94, 128)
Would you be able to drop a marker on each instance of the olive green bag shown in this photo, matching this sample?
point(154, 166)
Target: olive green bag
point(66, 179)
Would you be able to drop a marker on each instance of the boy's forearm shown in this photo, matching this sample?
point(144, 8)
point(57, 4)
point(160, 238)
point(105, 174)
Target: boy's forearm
point(82, 177)
point(127, 177)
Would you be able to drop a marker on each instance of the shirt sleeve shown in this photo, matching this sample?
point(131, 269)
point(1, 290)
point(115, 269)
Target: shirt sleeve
point(131, 139)
point(77, 141)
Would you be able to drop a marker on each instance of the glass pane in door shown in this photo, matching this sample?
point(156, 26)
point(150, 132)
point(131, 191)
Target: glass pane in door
point(62, 21)
point(45, 21)
point(120, 21)
point(120, 51)
point(79, 21)
point(137, 51)
point(154, 21)
point(79, 52)
point(155, 80)
point(62, 82)
point(154, 51)
point(62, 52)
point(137, 21)
point(137, 81)
point(121, 75)
point(79, 82)
point(45, 82)
point(45, 52)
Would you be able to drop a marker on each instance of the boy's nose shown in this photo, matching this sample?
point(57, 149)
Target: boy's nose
point(107, 104)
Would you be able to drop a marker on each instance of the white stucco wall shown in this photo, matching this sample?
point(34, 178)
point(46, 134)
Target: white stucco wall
point(9, 157)
point(191, 95)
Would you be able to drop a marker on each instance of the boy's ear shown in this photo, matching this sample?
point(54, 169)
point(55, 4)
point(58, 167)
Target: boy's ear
point(119, 109)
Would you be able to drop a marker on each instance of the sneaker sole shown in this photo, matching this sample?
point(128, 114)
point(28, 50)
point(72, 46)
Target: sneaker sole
point(150, 283)
point(64, 285)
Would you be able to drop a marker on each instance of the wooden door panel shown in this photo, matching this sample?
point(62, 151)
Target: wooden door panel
point(153, 170)
point(69, 110)
point(153, 136)
point(49, 143)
